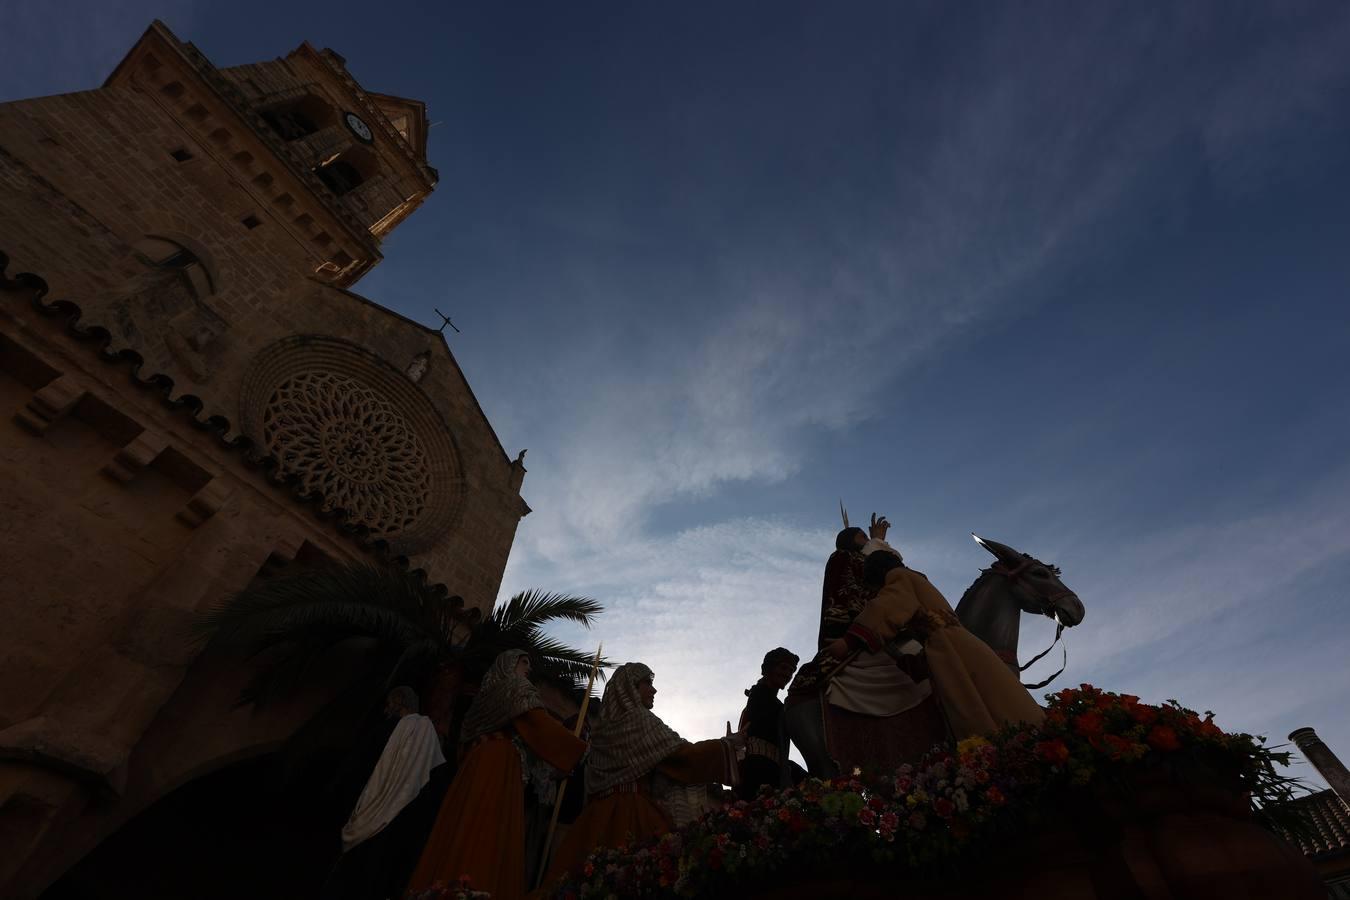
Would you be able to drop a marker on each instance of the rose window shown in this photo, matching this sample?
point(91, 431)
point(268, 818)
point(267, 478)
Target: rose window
point(358, 432)
point(351, 446)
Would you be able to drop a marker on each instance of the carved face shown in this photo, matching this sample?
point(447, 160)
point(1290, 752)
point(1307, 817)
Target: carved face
point(779, 675)
point(1038, 588)
point(647, 693)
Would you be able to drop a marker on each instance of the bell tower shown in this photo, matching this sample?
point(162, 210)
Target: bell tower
point(181, 202)
point(193, 398)
point(335, 166)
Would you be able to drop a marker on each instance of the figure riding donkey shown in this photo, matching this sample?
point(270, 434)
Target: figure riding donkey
point(898, 670)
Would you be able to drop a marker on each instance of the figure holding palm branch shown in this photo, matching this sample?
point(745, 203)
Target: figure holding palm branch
point(480, 830)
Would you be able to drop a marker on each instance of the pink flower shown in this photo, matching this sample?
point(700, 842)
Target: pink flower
point(889, 821)
point(867, 817)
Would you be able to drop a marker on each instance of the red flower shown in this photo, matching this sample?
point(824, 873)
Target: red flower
point(1089, 724)
point(876, 802)
point(995, 796)
point(1056, 718)
point(1053, 751)
point(943, 807)
point(1163, 738)
point(867, 817)
point(1116, 746)
point(889, 821)
point(1143, 714)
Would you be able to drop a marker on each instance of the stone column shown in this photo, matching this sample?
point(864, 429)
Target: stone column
point(1324, 761)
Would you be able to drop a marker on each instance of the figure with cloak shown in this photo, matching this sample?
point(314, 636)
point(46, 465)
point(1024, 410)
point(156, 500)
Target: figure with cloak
point(976, 691)
point(766, 743)
point(480, 830)
point(874, 708)
point(643, 779)
point(380, 839)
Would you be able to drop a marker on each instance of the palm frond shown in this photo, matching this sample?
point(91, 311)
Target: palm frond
point(553, 651)
point(533, 608)
point(291, 619)
point(363, 598)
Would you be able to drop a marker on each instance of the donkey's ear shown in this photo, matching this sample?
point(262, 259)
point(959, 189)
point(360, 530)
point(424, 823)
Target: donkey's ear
point(1002, 551)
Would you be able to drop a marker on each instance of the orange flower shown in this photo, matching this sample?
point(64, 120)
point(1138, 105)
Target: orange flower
point(1053, 751)
point(1089, 724)
point(1117, 747)
point(1163, 738)
point(1142, 714)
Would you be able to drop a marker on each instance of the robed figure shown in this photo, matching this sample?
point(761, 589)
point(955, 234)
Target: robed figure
point(875, 709)
point(387, 824)
point(766, 742)
point(977, 692)
point(480, 830)
point(643, 779)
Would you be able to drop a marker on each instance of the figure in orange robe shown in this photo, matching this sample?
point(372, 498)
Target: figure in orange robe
point(480, 830)
point(643, 779)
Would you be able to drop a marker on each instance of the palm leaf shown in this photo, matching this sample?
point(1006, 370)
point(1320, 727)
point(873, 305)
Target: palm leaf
point(533, 608)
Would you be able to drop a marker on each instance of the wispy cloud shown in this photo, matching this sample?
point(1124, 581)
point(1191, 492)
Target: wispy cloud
point(1038, 158)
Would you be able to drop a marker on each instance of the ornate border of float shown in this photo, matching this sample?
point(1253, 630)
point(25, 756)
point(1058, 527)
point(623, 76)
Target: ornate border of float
point(1110, 797)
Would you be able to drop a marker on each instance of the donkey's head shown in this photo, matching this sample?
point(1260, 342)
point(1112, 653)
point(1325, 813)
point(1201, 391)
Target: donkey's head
point(1033, 584)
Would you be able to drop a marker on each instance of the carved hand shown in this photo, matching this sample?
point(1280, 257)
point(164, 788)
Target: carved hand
point(878, 527)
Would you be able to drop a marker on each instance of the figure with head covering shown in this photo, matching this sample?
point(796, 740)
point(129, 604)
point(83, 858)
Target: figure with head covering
point(976, 691)
point(480, 830)
point(766, 743)
point(390, 814)
point(876, 710)
point(642, 778)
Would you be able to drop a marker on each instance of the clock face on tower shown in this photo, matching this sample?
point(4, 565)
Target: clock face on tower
point(359, 128)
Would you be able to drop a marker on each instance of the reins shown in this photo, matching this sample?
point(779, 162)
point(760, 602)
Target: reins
point(1013, 575)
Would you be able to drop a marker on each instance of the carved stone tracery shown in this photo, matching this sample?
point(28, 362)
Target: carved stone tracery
point(358, 433)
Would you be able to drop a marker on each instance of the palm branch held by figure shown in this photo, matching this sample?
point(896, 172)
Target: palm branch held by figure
point(293, 618)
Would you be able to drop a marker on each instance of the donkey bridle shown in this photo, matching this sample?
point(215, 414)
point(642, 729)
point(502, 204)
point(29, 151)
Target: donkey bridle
point(1014, 575)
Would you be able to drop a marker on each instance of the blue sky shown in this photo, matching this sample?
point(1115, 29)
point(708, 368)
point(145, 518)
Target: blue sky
point(1075, 279)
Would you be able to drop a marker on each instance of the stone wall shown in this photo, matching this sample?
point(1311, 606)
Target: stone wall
point(217, 265)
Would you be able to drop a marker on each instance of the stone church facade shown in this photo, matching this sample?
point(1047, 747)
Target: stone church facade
point(191, 397)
